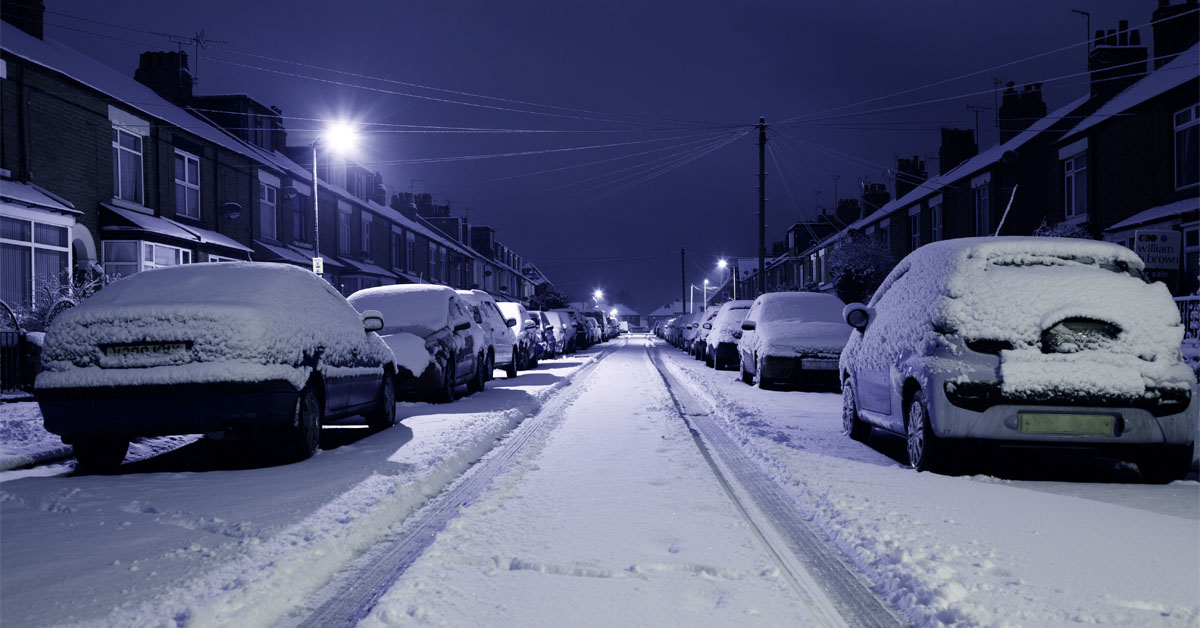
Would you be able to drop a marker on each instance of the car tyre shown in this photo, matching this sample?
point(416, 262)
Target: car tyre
point(510, 371)
point(1165, 465)
point(445, 394)
point(925, 449)
point(852, 425)
point(477, 382)
point(747, 378)
point(710, 360)
point(762, 382)
point(384, 416)
point(301, 438)
point(100, 455)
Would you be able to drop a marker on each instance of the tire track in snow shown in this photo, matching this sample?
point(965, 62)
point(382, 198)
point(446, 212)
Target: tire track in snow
point(810, 565)
point(354, 590)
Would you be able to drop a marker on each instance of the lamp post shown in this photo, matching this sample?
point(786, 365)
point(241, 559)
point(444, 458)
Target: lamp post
point(341, 137)
point(706, 295)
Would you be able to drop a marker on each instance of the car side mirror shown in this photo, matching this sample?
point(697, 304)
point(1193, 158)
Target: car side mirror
point(858, 315)
point(530, 324)
point(737, 334)
point(748, 325)
point(707, 325)
point(511, 322)
point(464, 326)
point(372, 320)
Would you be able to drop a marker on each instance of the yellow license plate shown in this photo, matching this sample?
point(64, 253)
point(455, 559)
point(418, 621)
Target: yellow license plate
point(1067, 423)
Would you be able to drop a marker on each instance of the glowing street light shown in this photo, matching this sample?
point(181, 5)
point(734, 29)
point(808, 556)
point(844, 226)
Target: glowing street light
point(598, 294)
point(341, 138)
point(722, 264)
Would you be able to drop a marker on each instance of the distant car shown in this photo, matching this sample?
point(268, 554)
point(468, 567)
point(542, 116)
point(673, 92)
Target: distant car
point(726, 329)
point(432, 334)
point(556, 322)
point(1042, 342)
point(602, 330)
point(593, 330)
point(690, 326)
point(503, 352)
point(793, 338)
point(699, 346)
point(576, 332)
point(526, 333)
point(546, 345)
point(266, 350)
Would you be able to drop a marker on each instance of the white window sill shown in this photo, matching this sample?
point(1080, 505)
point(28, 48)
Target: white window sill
point(1078, 219)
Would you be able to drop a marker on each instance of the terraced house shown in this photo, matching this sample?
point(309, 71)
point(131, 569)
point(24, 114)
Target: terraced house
point(101, 172)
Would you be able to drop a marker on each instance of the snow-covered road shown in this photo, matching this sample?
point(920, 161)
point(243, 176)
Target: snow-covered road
point(592, 504)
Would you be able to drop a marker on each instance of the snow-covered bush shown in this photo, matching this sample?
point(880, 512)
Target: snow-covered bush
point(858, 263)
point(1061, 230)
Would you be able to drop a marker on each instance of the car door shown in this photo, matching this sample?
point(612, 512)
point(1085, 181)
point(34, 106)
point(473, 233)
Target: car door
point(463, 340)
point(872, 368)
point(745, 345)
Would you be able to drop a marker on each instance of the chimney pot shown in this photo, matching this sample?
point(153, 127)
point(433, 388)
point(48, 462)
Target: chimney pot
point(1110, 38)
point(1135, 37)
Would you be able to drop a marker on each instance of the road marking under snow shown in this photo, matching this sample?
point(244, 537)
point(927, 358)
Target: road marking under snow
point(811, 566)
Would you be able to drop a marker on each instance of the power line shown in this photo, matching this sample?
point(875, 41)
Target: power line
point(657, 160)
point(977, 72)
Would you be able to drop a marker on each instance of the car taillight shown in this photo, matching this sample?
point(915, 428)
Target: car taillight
point(1078, 334)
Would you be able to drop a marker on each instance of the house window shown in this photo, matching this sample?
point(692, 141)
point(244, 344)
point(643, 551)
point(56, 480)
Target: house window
point(433, 270)
point(266, 210)
point(410, 252)
point(1075, 185)
point(1187, 152)
point(914, 229)
point(364, 241)
point(127, 165)
point(343, 230)
point(126, 257)
point(397, 249)
point(983, 214)
point(299, 220)
point(885, 233)
point(442, 266)
point(222, 258)
point(34, 256)
point(187, 185)
point(935, 221)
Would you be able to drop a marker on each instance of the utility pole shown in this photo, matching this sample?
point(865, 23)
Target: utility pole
point(762, 204)
point(835, 196)
point(682, 280)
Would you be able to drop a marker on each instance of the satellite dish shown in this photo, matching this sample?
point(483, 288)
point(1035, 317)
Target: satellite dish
point(231, 210)
point(289, 192)
point(1009, 157)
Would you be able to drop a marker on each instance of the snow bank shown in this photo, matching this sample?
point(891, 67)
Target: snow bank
point(23, 440)
point(241, 322)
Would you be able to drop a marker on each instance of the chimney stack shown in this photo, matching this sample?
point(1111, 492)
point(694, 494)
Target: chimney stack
point(26, 15)
point(167, 74)
point(910, 173)
point(1116, 61)
point(1020, 109)
point(958, 145)
point(874, 196)
point(1173, 35)
point(848, 210)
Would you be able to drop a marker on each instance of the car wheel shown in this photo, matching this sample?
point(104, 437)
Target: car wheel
point(1164, 465)
point(852, 425)
point(762, 381)
point(100, 455)
point(489, 368)
point(746, 376)
point(384, 415)
point(478, 381)
point(510, 371)
point(924, 447)
point(710, 360)
point(300, 439)
point(445, 394)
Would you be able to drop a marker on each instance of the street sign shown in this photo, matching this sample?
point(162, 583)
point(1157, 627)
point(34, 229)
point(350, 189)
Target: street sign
point(1160, 250)
point(319, 265)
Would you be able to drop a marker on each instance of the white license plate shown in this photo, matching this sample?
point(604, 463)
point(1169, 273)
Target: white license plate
point(147, 349)
point(821, 364)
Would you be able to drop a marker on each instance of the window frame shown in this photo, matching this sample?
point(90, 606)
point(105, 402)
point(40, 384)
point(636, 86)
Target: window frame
point(118, 149)
point(1071, 203)
point(364, 233)
point(33, 246)
point(266, 190)
point(344, 219)
point(187, 185)
point(1191, 125)
point(143, 247)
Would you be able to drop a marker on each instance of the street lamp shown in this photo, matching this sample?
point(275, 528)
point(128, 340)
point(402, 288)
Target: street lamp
point(706, 295)
point(598, 294)
point(341, 138)
point(722, 264)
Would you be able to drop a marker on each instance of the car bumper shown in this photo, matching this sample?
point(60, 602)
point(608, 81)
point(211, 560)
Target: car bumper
point(800, 371)
point(163, 410)
point(1044, 423)
point(726, 352)
point(411, 387)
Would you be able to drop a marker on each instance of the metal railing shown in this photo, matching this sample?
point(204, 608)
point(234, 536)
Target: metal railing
point(1189, 311)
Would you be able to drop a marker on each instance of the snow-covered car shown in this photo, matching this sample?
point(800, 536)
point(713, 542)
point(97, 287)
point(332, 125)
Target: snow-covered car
point(726, 329)
point(502, 353)
point(1045, 342)
point(555, 321)
point(793, 338)
point(602, 329)
point(267, 350)
point(525, 331)
point(432, 334)
point(593, 330)
point(575, 331)
point(703, 325)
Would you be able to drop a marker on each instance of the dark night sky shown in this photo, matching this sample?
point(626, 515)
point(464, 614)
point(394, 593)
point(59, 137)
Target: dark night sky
point(721, 64)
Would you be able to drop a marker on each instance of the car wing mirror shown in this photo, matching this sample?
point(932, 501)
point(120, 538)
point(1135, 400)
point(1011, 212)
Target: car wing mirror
point(530, 324)
point(511, 322)
point(858, 315)
point(707, 325)
point(372, 320)
point(463, 326)
point(748, 325)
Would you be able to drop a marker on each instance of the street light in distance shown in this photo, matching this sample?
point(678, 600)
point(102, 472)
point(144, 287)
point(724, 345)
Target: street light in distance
point(342, 138)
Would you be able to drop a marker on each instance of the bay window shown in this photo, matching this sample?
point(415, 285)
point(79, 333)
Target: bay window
point(34, 256)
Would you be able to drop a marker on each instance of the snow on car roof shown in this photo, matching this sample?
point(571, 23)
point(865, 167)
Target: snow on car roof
point(275, 286)
point(805, 306)
point(414, 308)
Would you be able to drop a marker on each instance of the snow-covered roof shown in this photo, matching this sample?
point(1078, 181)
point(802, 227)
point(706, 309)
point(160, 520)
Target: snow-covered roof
point(152, 224)
point(33, 196)
point(1158, 213)
point(206, 236)
point(283, 253)
point(1180, 70)
point(368, 268)
point(534, 274)
point(131, 94)
point(966, 168)
point(623, 310)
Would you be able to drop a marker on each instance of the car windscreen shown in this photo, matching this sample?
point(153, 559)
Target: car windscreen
point(822, 308)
